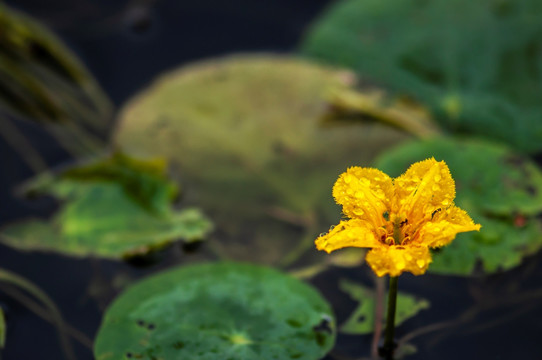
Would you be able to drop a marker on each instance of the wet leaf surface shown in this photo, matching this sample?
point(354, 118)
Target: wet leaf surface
point(217, 311)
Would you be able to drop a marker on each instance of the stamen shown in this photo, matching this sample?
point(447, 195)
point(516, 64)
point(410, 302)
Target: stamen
point(390, 241)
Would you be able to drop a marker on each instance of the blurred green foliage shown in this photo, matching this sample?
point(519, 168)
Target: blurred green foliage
point(116, 207)
point(217, 311)
point(144, 181)
point(476, 64)
point(254, 144)
point(41, 80)
point(362, 319)
point(499, 188)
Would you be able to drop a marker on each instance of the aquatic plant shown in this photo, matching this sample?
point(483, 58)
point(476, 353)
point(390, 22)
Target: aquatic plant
point(398, 219)
point(474, 64)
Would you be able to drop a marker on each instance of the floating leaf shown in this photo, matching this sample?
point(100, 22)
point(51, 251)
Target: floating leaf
point(499, 188)
point(103, 213)
point(362, 320)
point(217, 311)
point(250, 137)
point(473, 62)
point(396, 112)
point(144, 181)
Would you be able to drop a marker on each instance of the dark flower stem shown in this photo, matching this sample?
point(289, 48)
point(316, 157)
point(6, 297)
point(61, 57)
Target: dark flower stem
point(389, 345)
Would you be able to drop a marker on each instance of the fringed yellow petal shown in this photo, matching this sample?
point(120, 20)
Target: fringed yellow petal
point(364, 193)
point(446, 224)
point(425, 187)
point(394, 260)
point(352, 233)
point(398, 219)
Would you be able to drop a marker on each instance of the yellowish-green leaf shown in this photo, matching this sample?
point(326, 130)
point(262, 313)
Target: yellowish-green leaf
point(115, 208)
point(250, 135)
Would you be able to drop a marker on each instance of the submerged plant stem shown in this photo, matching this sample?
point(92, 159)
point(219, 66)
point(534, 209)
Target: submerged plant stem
point(379, 315)
point(389, 345)
point(305, 244)
point(28, 286)
point(11, 134)
point(45, 315)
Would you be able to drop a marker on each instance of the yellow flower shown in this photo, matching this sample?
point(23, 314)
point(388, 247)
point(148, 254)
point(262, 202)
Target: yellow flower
point(398, 219)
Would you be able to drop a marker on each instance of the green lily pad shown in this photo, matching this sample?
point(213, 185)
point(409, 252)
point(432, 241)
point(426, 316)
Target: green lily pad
point(362, 319)
point(500, 189)
point(217, 311)
point(254, 145)
point(472, 62)
point(114, 208)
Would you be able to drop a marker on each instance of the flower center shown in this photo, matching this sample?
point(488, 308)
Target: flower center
point(395, 232)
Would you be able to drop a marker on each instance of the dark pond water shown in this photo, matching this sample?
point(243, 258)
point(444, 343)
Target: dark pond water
point(127, 43)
